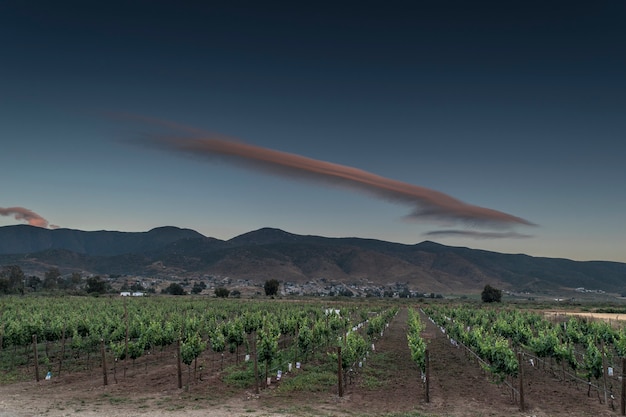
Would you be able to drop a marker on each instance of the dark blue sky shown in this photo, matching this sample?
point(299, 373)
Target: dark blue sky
point(513, 106)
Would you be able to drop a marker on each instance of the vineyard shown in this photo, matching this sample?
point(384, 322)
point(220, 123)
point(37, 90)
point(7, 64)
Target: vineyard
point(168, 354)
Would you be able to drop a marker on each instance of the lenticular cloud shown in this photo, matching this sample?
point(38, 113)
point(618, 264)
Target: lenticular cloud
point(427, 204)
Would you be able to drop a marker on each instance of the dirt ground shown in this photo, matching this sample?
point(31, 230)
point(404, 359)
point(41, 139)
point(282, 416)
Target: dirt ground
point(458, 388)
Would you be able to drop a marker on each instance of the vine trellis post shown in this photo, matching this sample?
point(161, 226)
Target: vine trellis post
point(339, 371)
point(256, 366)
point(104, 362)
point(623, 402)
point(179, 371)
point(520, 360)
point(36, 357)
point(427, 384)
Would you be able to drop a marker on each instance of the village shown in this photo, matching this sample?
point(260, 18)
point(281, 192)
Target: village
point(207, 285)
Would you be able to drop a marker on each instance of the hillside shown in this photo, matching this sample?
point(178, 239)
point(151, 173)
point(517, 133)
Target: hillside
point(272, 253)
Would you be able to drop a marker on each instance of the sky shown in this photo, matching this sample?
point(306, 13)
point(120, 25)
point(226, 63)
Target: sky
point(492, 125)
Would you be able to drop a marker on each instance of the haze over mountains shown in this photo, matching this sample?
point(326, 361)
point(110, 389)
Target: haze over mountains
point(272, 253)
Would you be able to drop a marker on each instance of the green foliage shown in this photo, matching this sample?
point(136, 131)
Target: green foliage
point(251, 321)
point(545, 344)
point(95, 285)
point(416, 343)
point(135, 349)
point(305, 337)
point(320, 333)
point(221, 292)
point(33, 283)
point(51, 279)
point(174, 289)
point(315, 379)
point(199, 286)
point(191, 348)
point(491, 294)
point(235, 334)
point(240, 378)
point(271, 287)
point(118, 349)
point(354, 350)
point(267, 342)
point(218, 341)
point(620, 342)
point(376, 326)
point(592, 363)
point(12, 280)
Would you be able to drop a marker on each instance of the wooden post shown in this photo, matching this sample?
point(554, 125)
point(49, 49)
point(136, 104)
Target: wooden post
point(427, 385)
point(295, 356)
point(623, 405)
point(62, 349)
point(520, 362)
point(179, 366)
point(36, 357)
point(126, 338)
point(1, 330)
point(256, 367)
point(604, 372)
point(104, 362)
point(339, 372)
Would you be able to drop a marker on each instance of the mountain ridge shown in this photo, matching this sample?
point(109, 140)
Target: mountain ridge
point(273, 253)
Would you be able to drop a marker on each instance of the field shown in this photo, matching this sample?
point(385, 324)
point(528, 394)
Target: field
point(388, 384)
point(609, 317)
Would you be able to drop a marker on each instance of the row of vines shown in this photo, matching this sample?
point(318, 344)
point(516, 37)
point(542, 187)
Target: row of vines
point(573, 348)
point(69, 333)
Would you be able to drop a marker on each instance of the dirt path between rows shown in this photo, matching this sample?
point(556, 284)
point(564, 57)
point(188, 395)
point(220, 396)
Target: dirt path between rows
point(458, 386)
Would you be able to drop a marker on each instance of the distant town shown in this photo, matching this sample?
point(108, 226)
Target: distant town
point(208, 284)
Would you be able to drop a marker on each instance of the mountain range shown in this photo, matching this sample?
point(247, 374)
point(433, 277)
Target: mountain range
point(268, 253)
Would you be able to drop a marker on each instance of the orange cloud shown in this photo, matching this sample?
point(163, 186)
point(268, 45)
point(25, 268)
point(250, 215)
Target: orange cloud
point(427, 204)
point(21, 213)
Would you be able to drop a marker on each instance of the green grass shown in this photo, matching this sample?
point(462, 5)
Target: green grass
point(239, 377)
point(115, 400)
point(11, 360)
point(313, 379)
point(379, 368)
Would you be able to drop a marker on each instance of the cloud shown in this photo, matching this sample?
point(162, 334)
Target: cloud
point(21, 213)
point(428, 204)
point(476, 234)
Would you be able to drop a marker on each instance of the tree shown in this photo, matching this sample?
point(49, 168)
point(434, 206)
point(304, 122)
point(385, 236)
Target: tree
point(51, 279)
point(175, 289)
point(72, 282)
point(345, 292)
point(405, 293)
point(95, 285)
point(271, 287)
point(221, 292)
point(12, 279)
point(34, 283)
point(491, 294)
point(198, 287)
